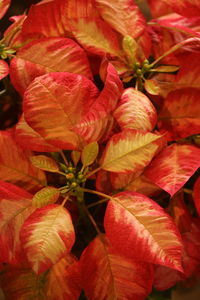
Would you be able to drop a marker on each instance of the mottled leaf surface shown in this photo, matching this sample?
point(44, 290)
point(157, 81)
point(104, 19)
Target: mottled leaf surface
point(15, 165)
point(47, 236)
point(129, 150)
point(135, 111)
point(47, 55)
point(108, 275)
point(54, 103)
point(173, 167)
point(139, 228)
point(15, 207)
point(63, 281)
point(4, 69)
point(180, 114)
point(122, 15)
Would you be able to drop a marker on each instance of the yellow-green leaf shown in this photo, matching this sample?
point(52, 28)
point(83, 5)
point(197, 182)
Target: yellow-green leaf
point(129, 150)
point(152, 87)
point(44, 163)
point(75, 155)
point(89, 153)
point(165, 69)
point(45, 196)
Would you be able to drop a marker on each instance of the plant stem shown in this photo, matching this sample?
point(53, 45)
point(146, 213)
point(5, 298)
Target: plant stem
point(65, 200)
point(97, 203)
point(187, 191)
point(61, 173)
point(92, 220)
point(64, 158)
point(97, 193)
point(93, 172)
point(173, 49)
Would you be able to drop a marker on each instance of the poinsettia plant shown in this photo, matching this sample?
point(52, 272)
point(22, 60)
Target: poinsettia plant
point(99, 186)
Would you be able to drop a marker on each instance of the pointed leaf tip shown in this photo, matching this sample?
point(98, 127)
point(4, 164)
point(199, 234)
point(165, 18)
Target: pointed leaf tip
point(45, 196)
point(44, 163)
point(89, 153)
point(139, 228)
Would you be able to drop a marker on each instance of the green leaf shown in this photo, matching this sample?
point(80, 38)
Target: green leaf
point(89, 153)
point(44, 163)
point(152, 87)
point(165, 69)
point(75, 155)
point(45, 196)
point(130, 47)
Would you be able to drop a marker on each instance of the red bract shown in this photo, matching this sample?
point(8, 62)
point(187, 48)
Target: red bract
point(30, 62)
point(100, 260)
point(186, 7)
point(131, 224)
point(99, 179)
point(15, 206)
point(170, 169)
point(4, 69)
point(16, 166)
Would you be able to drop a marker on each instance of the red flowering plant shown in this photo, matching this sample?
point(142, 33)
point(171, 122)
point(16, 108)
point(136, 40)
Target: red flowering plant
point(99, 194)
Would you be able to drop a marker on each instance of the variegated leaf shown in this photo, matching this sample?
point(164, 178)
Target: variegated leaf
point(89, 153)
point(13, 35)
point(152, 87)
point(97, 123)
point(46, 19)
point(136, 111)
point(180, 213)
point(188, 75)
point(4, 4)
point(44, 163)
point(106, 274)
point(180, 114)
point(158, 8)
point(45, 196)
point(47, 236)
point(122, 15)
point(96, 36)
point(63, 281)
point(165, 278)
point(140, 229)
point(134, 183)
point(54, 103)
point(129, 150)
point(4, 69)
point(15, 165)
point(188, 8)
point(173, 167)
point(30, 139)
point(47, 55)
point(23, 284)
point(15, 207)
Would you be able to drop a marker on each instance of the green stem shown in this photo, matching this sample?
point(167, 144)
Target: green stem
point(173, 49)
point(97, 193)
point(64, 158)
point(93, 172)
point(97, 203)
point(92, 220)
point(61, 173)
point(188, 191)
point(65, 200)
